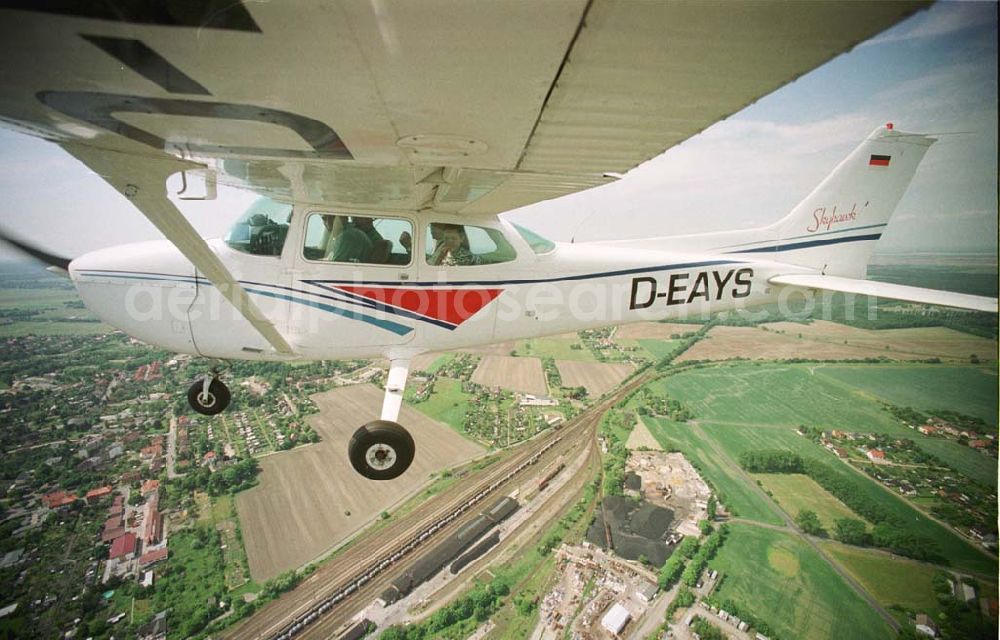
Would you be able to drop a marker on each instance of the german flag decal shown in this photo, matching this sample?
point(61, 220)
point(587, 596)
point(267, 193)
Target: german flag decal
point(879, 161)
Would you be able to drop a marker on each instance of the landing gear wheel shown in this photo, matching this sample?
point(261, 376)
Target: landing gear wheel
point(210, 402)
point(381, 450)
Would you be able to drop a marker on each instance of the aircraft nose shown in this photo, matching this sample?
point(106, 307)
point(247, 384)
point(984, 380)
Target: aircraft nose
point(144, 289)
point(157, 259)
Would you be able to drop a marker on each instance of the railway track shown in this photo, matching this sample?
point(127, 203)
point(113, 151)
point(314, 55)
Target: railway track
point(367, 567)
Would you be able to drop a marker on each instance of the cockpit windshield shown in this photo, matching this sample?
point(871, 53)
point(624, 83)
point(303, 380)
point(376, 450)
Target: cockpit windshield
point(262, 229)
point(537, 243)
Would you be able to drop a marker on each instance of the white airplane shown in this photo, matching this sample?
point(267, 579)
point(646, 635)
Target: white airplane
point(385, 139)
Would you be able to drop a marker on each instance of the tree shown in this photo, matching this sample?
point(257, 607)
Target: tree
point(850, 531)
point(808, 521)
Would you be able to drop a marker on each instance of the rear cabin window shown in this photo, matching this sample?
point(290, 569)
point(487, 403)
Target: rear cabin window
point(465, 245)
point(358, 239)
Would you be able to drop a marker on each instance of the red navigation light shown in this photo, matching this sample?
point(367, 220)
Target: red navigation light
point(888, 125)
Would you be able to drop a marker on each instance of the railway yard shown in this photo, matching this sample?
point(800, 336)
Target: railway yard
point(325, 603)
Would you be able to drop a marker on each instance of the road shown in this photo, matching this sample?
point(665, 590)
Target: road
point(172, 448)
point(790, 524)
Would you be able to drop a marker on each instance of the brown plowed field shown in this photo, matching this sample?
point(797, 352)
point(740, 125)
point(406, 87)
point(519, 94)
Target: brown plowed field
point(595, 377)
point(822, 340)
point(424, 360)
point(514, 374)
point(653, 330)
point(641, 437)
point(297, 512)
point(498, 349)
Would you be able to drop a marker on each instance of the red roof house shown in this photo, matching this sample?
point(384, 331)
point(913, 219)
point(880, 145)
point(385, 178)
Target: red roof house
point(152, 557)
point(150, 486)
point(96, 494)
point(877, 456)
point(123, 546)
point(152, 451)
point(57, 499)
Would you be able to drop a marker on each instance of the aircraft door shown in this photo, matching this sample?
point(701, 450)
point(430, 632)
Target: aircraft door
point(349, 284)
point(472, 262)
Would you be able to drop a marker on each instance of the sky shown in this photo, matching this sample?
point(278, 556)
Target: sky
point(934, 73)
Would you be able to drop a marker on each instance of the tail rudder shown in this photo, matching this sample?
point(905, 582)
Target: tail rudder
point(835, 228)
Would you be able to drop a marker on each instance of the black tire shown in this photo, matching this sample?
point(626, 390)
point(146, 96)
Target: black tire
point(381, 450)
point(216, 402)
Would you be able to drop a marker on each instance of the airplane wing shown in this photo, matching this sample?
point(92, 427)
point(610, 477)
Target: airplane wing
point(889, 290)
point(467, 107)
point(450, 105)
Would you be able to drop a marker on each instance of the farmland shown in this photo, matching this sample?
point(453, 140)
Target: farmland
point(48, 307)
point(967, 389)
point(790, 587)
point(641, 438)
point(822, 340)
point(891, 581)
point(513, 374)
point(657, 349)
point(563, 347)
point(448, 404)
point(795, 492)
point(430, 362)
point(308, 500)
point(776, 395)
point(654, 330)
point(961, 554)
point(596, 377)
point(842, 397)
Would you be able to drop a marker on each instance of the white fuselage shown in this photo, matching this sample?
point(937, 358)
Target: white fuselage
point(331, 311)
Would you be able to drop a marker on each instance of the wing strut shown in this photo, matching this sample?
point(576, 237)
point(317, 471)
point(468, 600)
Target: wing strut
point(142, 180)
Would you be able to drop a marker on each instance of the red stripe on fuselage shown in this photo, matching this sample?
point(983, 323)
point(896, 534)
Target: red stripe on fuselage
point(454, 306)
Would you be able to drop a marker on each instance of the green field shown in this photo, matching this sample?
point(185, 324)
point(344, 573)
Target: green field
point(795, 492)
point(558, 348)
point(786, 584)
point(439, 362)
point(448, 404)
point(770, 395)
point(971, 390)
point(735, 440)
point(733, 490)
point(658, 349)
point(775, 395)
point(888, 580)
point(58, 313)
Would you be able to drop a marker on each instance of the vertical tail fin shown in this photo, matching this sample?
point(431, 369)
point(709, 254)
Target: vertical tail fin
point(837, 225)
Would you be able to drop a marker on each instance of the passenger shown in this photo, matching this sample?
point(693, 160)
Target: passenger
point(406, 240)
point(367, 226)
point(452, 249)
point(350, 244)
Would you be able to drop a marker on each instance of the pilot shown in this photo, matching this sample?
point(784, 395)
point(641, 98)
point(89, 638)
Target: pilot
point(452, 247)
point(367, 226)
point(406, 240)
point(349, 244)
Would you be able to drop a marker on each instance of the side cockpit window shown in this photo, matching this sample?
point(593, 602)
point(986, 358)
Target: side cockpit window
point(466, 245)
point(261, 231)
point(358, 239)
